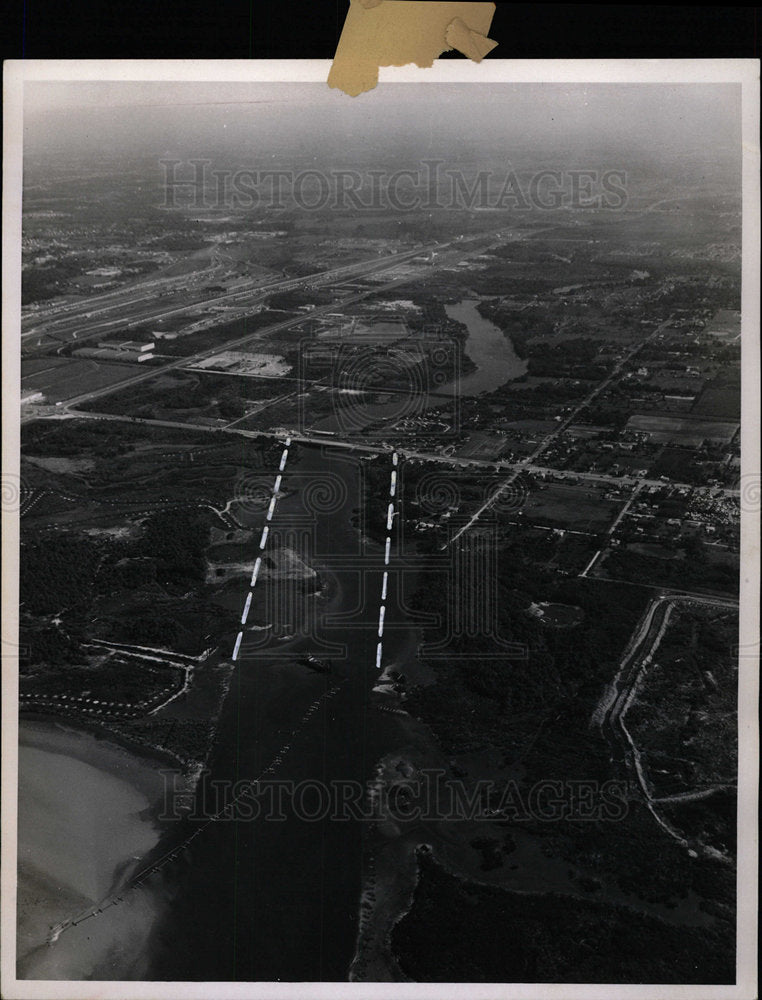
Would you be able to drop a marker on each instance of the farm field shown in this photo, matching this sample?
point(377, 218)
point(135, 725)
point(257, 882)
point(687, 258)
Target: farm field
point(686, 430)
point(678, 464)
point(726, 324)
point(575, 508)
point(36, 366)
point(193, 395)
point(74, 378)
point(723, 401)
point(483, 446)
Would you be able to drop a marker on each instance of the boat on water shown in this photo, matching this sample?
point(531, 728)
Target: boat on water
point(315, 663)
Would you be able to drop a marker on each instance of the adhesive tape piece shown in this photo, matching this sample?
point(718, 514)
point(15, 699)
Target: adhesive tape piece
point(395, 33)
point(472, 44)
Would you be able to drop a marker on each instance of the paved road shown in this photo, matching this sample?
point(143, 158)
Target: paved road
point(65, 413)
point(148, 373)
point(562, 425)
point(77, 315)
point(610, 712)
point(612, 527)
point(75, 318)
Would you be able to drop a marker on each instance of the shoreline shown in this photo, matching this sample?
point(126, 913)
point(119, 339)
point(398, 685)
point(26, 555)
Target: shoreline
point(33, 723)
point(104, 835)
point(75, 849)
point(391, 874)
point(391, 869)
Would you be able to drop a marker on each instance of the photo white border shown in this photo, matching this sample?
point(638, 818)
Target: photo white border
point(668, 71)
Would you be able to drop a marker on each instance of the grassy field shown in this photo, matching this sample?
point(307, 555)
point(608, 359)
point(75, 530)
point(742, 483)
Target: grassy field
point(686, 430)
point(719, 401)
point(75, 378)
point(194, 395)
point(36, 366)
point(483, 446)
point(560, 615)
point(577, 508)
point(679, 464)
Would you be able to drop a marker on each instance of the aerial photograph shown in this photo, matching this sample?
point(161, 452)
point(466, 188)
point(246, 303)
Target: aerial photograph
point(380, 493)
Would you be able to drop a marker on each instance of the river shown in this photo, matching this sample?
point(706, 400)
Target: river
point(267, 899)
point(487, 346)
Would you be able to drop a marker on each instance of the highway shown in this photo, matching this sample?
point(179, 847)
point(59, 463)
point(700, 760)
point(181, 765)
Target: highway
point(77, 316)
point(622, 482)
point(77, 319)
point(147, 373)
point(477, 244)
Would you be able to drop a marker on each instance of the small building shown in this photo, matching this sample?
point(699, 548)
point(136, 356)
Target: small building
point(111, 354)
point(134, 346)
point(138, 346)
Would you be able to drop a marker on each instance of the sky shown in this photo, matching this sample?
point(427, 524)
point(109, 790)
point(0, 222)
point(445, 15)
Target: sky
point(430, 119)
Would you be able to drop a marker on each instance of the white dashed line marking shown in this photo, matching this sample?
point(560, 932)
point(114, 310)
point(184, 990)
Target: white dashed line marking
point(246, 607)
point(390, 512)
point(262, 543)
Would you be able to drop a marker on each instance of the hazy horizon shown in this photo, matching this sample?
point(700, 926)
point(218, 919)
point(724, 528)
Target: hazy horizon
point(651, 122)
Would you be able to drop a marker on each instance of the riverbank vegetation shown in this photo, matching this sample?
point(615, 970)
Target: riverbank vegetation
point(461, 932)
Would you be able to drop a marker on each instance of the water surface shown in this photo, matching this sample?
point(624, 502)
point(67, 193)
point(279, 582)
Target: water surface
point(487, 346)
